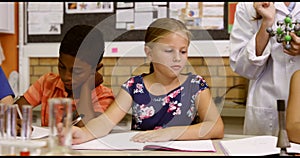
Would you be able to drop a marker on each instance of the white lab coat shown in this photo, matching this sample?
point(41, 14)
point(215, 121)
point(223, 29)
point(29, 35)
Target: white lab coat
point(269, 74)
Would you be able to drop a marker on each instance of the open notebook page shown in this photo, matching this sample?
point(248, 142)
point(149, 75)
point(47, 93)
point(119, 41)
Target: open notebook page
point(121, 141)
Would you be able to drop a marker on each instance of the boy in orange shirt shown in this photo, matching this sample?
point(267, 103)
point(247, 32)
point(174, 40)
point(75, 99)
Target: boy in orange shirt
point(80, 55)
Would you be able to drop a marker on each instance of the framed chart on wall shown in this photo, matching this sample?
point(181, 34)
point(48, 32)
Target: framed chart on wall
point(127, 21)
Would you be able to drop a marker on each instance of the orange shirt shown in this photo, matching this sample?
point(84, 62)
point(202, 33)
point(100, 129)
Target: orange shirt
point(50, 85)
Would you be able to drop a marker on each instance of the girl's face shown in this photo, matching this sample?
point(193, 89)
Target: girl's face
point(73, 72)
point(169, 54)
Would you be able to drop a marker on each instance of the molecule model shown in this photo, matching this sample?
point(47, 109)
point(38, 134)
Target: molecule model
point(284, 28)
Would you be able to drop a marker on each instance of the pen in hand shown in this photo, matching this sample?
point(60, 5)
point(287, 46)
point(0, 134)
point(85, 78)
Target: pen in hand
point(79, 118)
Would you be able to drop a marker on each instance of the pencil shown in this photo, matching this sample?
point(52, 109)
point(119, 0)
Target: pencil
point(79, 118)
point(19, 111)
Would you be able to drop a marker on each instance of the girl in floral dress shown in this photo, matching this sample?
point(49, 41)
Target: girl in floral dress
point(164, 102)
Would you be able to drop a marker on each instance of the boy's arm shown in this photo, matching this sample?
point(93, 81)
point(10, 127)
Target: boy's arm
point(7, 100)
point(98, 79)
point(22, 101)
point(98, 76)
point(85, 105)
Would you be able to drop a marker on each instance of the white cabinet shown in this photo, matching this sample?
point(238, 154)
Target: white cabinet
point(7, 14)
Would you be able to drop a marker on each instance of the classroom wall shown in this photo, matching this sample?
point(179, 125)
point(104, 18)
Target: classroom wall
point(215, 70)
point(9, 44)
point(116, 70)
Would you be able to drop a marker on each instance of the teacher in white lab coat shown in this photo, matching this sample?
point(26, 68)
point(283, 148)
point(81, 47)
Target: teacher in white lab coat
point(265, 62)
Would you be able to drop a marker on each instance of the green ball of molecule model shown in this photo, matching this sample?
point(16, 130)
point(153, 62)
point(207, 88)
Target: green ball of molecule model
point(287, 20)
point(285, 27)
point(287, 38)
point(279, 31)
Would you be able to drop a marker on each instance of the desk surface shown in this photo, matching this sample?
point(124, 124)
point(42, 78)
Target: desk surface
point(219, 151)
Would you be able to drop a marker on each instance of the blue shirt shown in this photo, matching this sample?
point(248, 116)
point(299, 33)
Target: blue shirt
point(291, 6)
point(176, 108)
point(5, 88)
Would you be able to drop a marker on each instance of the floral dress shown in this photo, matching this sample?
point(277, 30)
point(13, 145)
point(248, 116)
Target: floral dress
point(176, 108)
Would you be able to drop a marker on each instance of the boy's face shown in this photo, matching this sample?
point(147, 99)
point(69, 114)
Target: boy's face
point(73, 74)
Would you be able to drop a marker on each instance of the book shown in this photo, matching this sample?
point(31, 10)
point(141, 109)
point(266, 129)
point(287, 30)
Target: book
point(121, 141)
point(255, 146)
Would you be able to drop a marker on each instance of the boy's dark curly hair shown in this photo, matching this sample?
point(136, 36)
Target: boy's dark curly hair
point(84, 42)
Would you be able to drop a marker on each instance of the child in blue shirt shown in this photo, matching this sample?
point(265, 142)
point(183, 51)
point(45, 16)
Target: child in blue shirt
point(6, 93)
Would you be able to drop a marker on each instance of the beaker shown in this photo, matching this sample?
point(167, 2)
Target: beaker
point(60, 125)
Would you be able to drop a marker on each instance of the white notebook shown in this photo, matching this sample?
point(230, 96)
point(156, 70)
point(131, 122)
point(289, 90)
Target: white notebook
point(255, 146)
point(121, 141)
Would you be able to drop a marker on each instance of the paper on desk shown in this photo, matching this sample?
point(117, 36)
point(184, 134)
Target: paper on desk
point(39, 132)
point(255, 146)
point(121, 141)
point(113, 141)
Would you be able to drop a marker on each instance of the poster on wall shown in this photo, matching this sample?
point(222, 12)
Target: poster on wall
point(138, 15)
point(89, 7)
point(49, 18)
point(195, 15)
point(45, 18)
point(231, 12)
point(199, 15)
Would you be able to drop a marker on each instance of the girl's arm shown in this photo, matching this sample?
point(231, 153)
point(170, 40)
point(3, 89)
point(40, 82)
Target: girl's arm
point(210, 127)
point(267, 12)
point(103, 124)
point(211, 124)
point(293, 109)
point(245, 57)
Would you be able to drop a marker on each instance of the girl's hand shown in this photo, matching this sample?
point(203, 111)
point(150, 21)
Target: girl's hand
point(80, 135)
point(266, 10)
point(159, 135)
point(295, 45)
